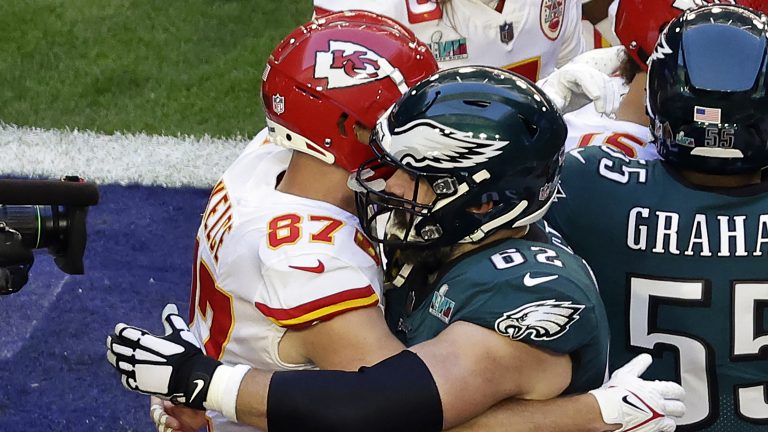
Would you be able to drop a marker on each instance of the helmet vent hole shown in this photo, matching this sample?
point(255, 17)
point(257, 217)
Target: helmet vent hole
point(341, 124)
point(532, 129)
point(477, 103)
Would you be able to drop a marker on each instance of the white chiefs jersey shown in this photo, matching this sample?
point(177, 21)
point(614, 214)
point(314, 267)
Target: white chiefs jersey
point(267, 261)
point(588, 127)
point(530, 37)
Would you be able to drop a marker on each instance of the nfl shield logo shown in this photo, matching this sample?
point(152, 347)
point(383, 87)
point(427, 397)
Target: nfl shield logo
point(278, 104)
point(506, 33)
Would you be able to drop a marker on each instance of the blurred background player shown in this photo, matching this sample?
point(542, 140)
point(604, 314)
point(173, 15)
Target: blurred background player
point(637, 26)
point(529, 37)
point(678, 245)
point(597, 18)
point(477, 153)
point(283, 277)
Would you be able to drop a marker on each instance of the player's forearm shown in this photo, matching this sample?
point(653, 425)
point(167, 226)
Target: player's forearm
point(398, 393)
point(579, 413)
point(252, 398)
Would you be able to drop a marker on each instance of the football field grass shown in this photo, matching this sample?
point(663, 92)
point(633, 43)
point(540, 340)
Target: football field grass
point(127, 70)
point(156, 66)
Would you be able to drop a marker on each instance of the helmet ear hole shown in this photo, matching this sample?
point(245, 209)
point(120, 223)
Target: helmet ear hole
point(532, 129)
point(341, 124)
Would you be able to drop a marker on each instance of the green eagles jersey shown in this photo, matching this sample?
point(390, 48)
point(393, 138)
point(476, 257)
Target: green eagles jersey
point(683, 274)
point(535, 292)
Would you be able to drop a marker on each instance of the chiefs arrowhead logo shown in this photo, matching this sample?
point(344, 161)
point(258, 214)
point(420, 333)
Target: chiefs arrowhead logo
point(551, 18)
point(354, 63)
point(348, 64)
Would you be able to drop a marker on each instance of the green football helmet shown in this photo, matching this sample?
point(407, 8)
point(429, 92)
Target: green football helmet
point(477, 135)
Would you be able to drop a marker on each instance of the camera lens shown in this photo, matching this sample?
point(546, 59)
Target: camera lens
point(37, 225)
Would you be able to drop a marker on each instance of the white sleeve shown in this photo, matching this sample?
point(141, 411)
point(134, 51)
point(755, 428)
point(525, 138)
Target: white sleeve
point(572, 35)
point(304, 289)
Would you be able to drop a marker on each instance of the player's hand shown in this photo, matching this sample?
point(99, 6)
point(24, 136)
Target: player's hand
point(605, 60)
point(175, 418)
point(171, 367)
point(587, 78)
point(639, 405)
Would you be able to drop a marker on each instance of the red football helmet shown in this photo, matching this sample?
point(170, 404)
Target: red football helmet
point(336, 71)
point(639, 22)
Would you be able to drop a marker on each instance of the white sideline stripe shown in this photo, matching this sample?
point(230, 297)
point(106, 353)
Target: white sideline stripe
point(122, 158)
point(21, 314)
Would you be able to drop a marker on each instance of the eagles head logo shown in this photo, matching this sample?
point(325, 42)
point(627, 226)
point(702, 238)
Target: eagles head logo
point(662, 48)
point(424, 142)
point(541, 320)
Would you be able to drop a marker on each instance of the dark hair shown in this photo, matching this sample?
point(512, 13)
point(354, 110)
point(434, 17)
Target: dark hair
point(629, 68)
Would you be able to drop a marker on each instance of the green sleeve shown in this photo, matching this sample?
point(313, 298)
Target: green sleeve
point(558, 315)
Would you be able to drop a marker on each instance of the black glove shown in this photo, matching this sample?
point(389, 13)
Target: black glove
point(171, 367)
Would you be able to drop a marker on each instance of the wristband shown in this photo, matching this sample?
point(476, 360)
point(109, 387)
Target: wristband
point(223, 390)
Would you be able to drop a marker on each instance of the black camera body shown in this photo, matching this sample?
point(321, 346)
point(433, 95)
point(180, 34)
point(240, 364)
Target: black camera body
point(36, 214)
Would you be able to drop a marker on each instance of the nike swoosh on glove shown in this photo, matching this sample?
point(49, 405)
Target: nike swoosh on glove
point(639, 405)
point(172, 367)
point(587, 79)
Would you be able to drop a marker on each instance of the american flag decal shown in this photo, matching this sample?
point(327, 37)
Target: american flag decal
point(706, 115)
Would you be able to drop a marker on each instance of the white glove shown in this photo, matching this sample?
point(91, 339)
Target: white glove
point(605, 60)
point(586, 79)
point(639, 405)
point(171, 367)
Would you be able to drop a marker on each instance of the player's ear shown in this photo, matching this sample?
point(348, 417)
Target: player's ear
point(362, 133)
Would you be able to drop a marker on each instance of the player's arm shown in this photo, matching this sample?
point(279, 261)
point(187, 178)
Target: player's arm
point(474, 368)
point(562, 414)
point(333, 318)
point(399, 393)
point(624, 403)
point(348, 341)
point(466, 366)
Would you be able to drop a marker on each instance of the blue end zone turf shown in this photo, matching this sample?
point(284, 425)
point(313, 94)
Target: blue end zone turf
point(54, 375)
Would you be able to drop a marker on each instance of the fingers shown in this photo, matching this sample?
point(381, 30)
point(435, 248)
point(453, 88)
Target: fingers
point(613, 94)
point(158, 415)
point(606, 60)
point(114, 350)
point(669, 389)
point(636, 366)
point(172, 321)
point(163, 421)
point(129, 332)
point(126, 384)
point(674, 408)
point(554, 90)
point(168, 310)
point(111, 359)
point(666, 425)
